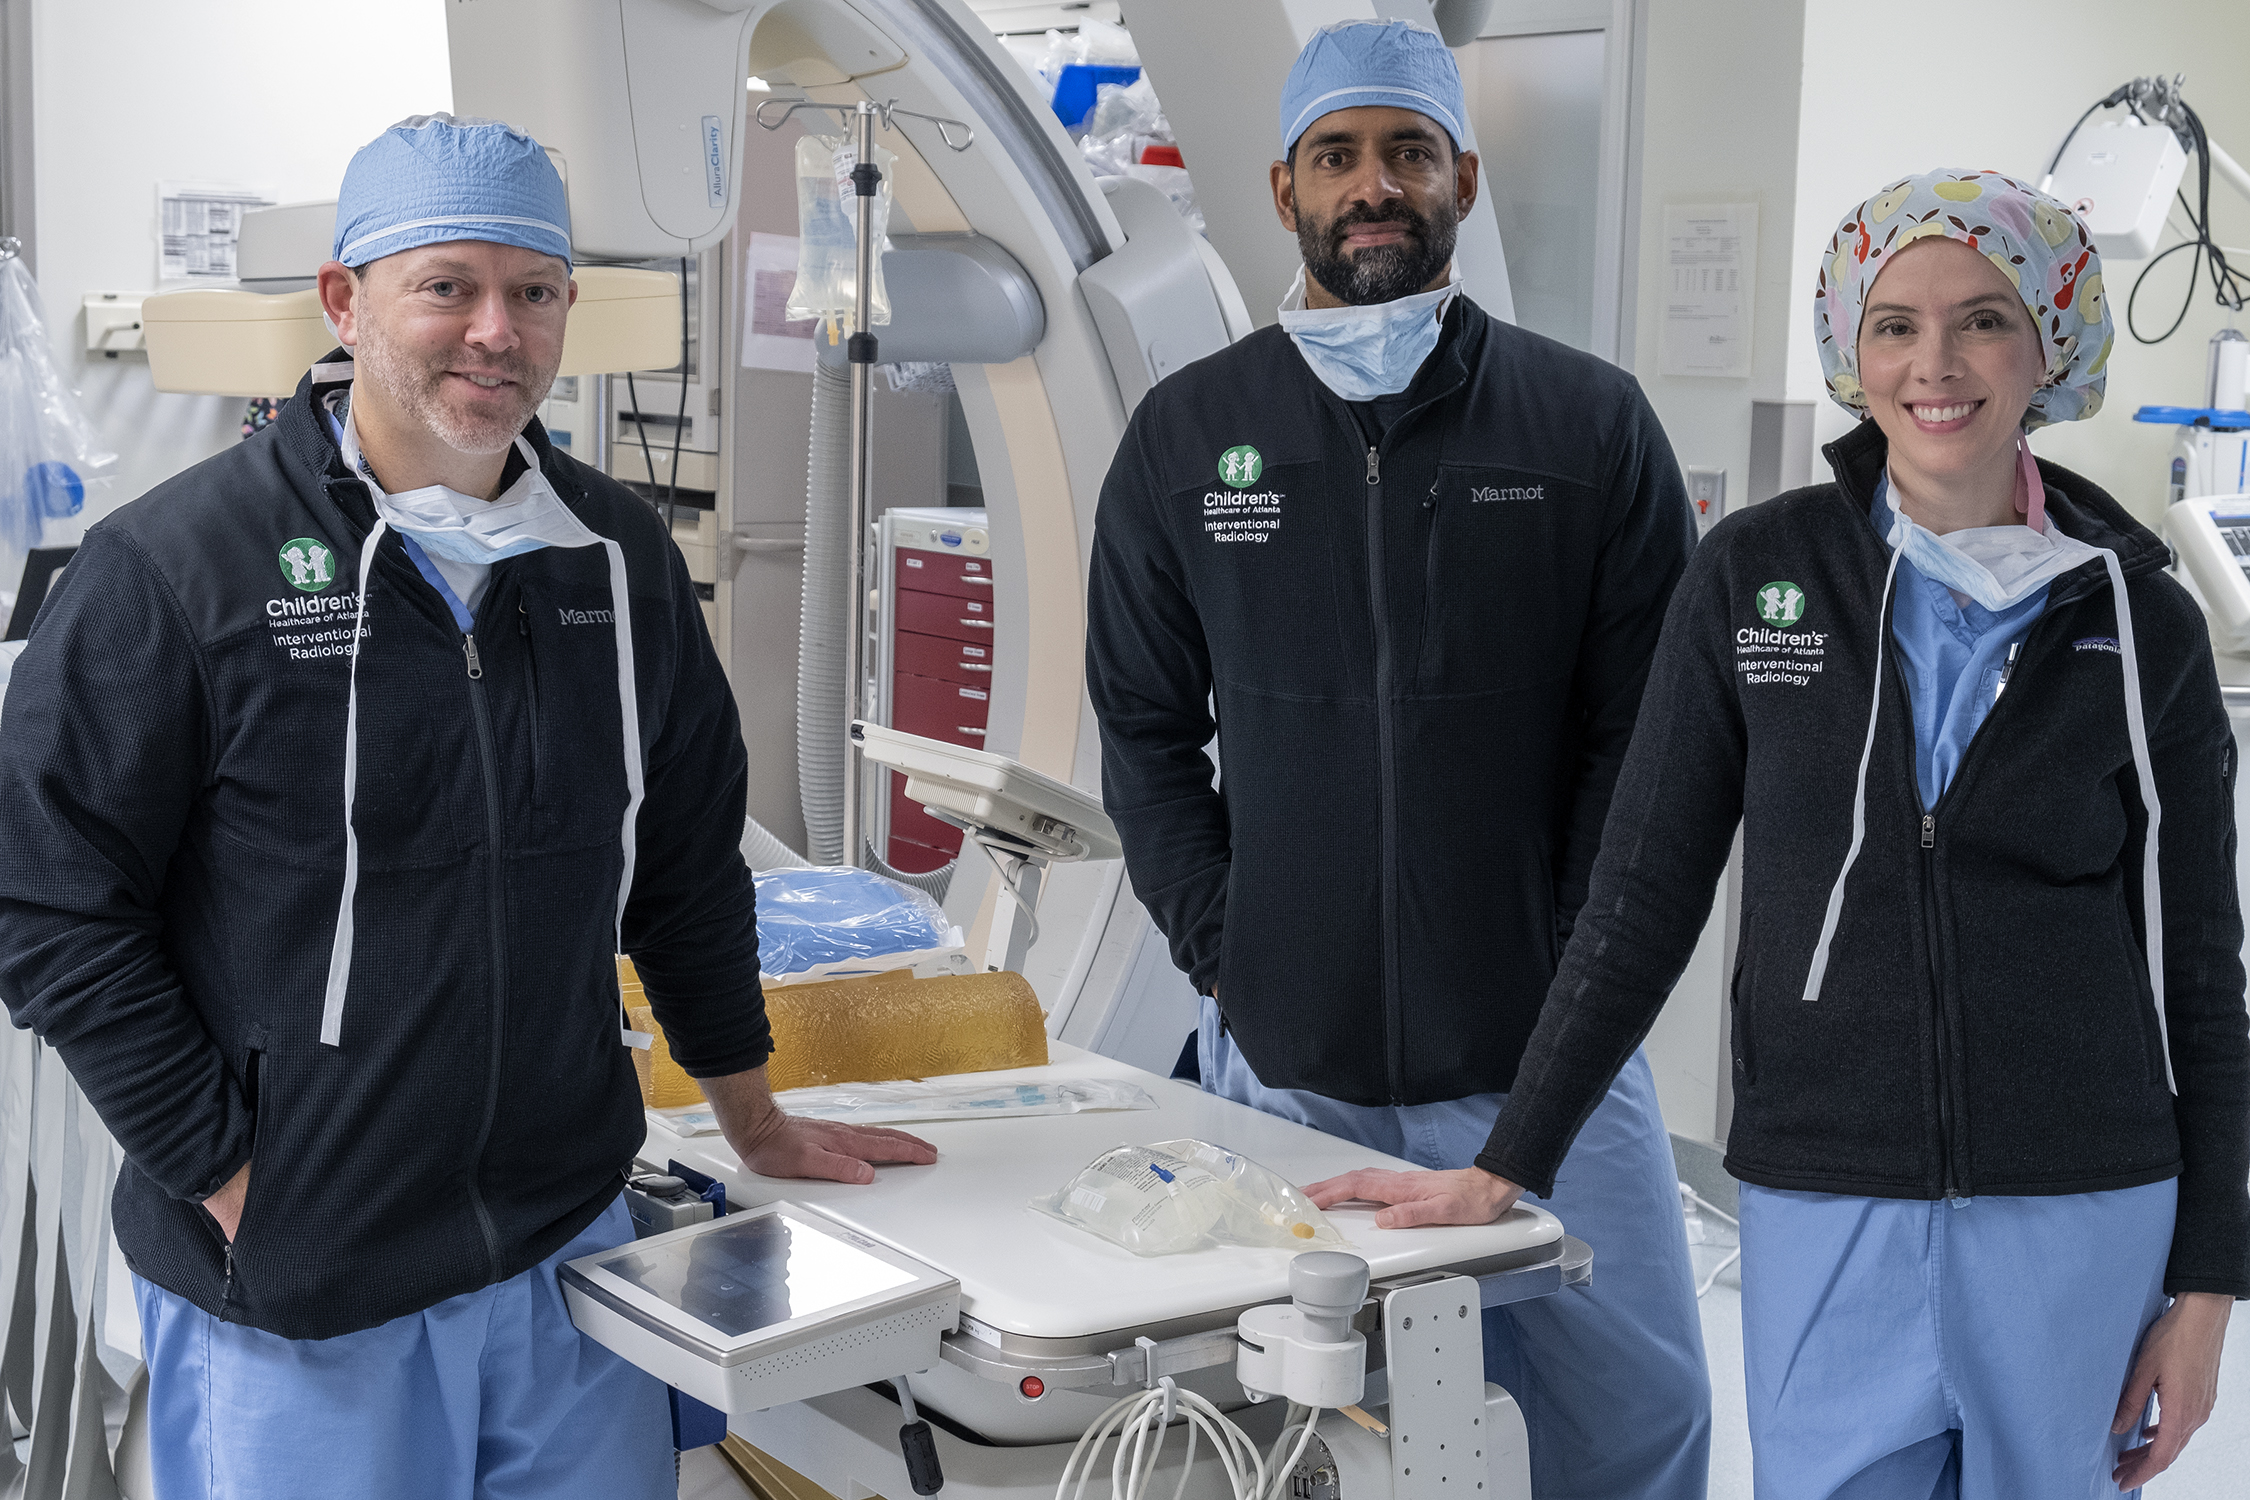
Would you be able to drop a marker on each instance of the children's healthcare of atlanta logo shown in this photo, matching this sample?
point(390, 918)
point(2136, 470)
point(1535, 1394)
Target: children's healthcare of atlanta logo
point(1240, 466)
point(1780, 603)
point(308, 564)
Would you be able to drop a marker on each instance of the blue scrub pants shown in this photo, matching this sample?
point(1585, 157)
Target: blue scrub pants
point(1610, 1376)
point(1905, 1350)
point(493, 1395)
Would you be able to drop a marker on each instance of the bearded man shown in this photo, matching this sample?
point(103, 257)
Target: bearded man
point(334, 774)
point(1409, 564)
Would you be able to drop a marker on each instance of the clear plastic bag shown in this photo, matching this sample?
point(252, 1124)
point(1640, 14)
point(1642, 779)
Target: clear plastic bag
point(49, 451)
point(828, 914)
point(876, 1103)
point(828, 239)
point(1126, 122)
point(1178, 1196)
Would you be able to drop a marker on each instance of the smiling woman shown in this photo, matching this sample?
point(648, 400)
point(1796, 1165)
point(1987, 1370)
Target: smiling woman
point(1990, 1055)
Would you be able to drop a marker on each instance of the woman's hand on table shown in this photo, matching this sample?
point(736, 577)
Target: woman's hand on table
point(773, 1143)
point(2179, 1362)
point(1470, 1195)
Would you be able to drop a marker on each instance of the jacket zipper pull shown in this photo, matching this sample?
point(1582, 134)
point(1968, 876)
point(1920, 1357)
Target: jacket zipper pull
point(226, 1287)
point(469, 649)
point(1929, 830)
point(1374, 466)
point(523, 621)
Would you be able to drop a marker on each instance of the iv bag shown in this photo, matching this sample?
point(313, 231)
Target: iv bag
point(827, 244)
point(48, 450)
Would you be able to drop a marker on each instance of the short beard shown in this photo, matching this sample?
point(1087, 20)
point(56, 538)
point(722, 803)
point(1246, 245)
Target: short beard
point(1380, 273)
point(418, 389)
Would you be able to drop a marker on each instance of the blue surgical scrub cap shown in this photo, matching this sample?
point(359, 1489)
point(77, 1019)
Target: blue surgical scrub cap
point(433, 178)
point(1354, 63)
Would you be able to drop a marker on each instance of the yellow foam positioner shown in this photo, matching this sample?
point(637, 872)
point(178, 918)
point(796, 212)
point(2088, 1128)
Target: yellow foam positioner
point(664, 1083)
point(893, 1025)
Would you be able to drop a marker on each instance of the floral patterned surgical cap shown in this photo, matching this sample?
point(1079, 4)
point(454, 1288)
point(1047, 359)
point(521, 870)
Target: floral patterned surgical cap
point(2037, 243)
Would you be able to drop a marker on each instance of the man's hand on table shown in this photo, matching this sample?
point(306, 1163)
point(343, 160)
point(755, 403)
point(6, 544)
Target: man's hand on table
point(772, 1143)
point(1470, 1195)
point(225, 1205)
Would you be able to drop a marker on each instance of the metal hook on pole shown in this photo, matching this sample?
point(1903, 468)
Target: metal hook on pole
point(885, 111)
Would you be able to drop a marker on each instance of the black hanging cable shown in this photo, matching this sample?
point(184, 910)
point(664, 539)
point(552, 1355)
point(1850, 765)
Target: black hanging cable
point(2228, 285)
point(679, 426)
point(641, 427)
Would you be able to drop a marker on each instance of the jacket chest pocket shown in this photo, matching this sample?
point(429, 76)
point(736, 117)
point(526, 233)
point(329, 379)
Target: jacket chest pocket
point(570, 730)
point(1508, 566)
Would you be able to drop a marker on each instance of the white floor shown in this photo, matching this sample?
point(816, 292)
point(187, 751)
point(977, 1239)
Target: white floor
point(2216, 1465)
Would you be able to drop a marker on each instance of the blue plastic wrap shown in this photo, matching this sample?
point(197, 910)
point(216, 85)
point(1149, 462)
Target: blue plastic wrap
point(832, 914)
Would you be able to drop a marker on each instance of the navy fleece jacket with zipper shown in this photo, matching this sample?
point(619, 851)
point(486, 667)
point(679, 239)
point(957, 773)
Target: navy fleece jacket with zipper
point(1986, 1022)
point(171, 860)
point(1423, 656)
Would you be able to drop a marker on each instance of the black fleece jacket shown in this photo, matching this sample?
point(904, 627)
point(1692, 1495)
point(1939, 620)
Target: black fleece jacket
point(171, 859)
point(1986, 1024)
point(1423, 658)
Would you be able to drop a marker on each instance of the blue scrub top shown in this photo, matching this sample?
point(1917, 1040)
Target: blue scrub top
point(1955, 652)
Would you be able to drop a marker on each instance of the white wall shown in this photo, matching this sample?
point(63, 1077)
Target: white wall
point(130, 93)
point(1921, 84)
point(1719, 125)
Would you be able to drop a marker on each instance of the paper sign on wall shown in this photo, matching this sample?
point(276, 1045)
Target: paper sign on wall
point(769, 340)
point(1710, 279)
point(197, 228)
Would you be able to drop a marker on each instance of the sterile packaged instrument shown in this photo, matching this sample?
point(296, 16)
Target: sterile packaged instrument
point(764, 1306)
point(827, 237)
point(49, 451)
point(892, 1103)
point(1177, 1196)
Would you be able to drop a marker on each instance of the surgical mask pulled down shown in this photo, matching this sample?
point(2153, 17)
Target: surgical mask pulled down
point(1997, 566)
point(1364, 352)
point(476, 533)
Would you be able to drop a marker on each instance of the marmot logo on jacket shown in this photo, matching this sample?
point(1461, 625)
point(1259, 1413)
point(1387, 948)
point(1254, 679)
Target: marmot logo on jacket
point(587, 616)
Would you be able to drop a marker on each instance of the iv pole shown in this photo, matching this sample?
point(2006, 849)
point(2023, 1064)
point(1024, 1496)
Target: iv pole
point(860, 352)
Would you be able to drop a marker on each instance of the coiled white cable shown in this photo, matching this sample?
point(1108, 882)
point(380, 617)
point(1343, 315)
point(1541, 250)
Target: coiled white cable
point(1141, 1422)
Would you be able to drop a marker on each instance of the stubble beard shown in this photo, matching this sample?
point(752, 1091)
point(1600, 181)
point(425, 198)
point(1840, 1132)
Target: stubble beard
point(417, 385)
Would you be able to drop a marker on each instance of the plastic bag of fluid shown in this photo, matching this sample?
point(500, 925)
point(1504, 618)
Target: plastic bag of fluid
point(49, 452)
point(832, 914)
point(1178, 1196)
point(828, 238)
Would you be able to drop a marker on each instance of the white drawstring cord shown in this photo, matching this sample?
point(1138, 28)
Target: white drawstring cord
point(2136, 731)
point(340, 951)
point(629, 709)
point(1835, 913)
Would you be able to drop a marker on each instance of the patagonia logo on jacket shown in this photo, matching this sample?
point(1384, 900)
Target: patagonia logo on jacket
point(2098, 643)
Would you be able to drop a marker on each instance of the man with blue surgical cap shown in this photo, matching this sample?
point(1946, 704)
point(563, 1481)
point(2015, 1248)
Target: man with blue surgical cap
point(335, 772)
point(1408, 564)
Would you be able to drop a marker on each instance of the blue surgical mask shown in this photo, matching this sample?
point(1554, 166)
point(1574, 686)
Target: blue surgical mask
point(469, 531)
point(1364, 352)
point(1998, 566)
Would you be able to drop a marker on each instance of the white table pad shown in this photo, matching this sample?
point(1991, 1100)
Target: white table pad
point(1023, 1272)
